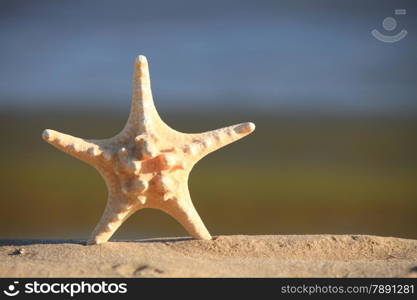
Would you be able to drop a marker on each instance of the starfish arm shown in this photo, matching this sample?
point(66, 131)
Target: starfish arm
point(204, 143)
point(113, 216)
point(141, 93)
point(183, 210)
point(85, 150)
point(142, 112)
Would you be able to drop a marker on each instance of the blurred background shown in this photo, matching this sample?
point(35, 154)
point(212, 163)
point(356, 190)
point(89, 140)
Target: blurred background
point(335, 146)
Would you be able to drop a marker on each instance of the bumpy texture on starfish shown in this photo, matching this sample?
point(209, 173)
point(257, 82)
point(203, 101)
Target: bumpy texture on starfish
point(147, 164)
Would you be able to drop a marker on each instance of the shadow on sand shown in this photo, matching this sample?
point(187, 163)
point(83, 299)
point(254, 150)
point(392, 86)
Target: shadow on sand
point(12, 242)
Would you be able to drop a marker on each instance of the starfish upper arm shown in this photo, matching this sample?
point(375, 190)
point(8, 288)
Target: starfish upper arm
point(88, 151)
point(201, 144)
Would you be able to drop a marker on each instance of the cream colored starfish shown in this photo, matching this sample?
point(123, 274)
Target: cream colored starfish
point(148, 163)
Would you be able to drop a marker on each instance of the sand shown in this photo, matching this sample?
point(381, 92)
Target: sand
point(225, 256)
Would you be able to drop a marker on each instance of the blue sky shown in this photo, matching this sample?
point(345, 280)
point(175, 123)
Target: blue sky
point(255, 55)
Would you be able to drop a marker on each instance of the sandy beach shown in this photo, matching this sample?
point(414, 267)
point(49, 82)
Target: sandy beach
point(225, 256)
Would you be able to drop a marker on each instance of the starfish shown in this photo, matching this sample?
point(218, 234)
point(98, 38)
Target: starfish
point(147, 164)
